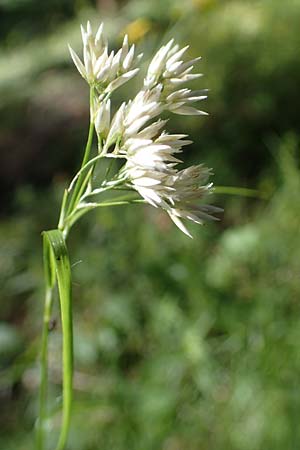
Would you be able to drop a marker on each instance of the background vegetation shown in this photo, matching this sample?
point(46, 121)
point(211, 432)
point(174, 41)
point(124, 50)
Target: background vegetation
point(179, 344)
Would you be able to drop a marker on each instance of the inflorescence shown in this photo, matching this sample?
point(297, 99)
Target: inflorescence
point(136, 134)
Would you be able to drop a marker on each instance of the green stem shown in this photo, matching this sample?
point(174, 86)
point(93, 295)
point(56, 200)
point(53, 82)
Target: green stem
point(64, 287)
point(85, 159)
point(57, 267)
point(244, 192)
point(44, 370)
point(49, 273)
point(59, 253)
point(63, 210)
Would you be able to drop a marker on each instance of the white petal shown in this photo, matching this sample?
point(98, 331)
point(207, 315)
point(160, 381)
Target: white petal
point(124, 48)
point(101, 61)
point(149, 195)
point(98, 37)
point(103, 117)
point(87, 62)
point(133, 144)
point(117, 57)
point(89, 29)
point(196, 99)
point(188, 111)
point(152, 130)
point(128, 59)
point(179, 224)
point(145, 181)
point(178, 95)
point(117, 124)
point(177, 55)
point(184, 79)
point(172, 68)
point(76, 60)
point(83, 35)
point(121, 80)
point(159, 59)
point(136, 125)
point(188, 64)
point(192, 76)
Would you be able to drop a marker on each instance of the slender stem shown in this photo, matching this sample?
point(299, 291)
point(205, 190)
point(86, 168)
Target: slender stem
point(83, 168)
point(85, 159)
point(63, 210)
point(44, 371)
point(241, 191)
point(67, 328)
point(111, 185)
point(91, 163)
point(40, 437)
point(63, 275)
point(57, 268)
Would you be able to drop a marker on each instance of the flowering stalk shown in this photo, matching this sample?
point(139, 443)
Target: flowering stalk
point(135, 134)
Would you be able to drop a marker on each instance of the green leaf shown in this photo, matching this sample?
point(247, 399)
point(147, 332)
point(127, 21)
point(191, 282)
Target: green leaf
point(58, 265)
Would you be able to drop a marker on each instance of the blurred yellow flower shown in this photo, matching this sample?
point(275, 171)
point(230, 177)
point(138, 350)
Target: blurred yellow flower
point(204, 4)
point(137, 29)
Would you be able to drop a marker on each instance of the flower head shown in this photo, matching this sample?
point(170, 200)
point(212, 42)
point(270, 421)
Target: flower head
point(151, 169)
point(136, 132)
point(168, 70)
point(107, 71)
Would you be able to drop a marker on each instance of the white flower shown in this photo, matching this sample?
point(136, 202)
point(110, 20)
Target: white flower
point(106, 71)
point(166, 67)
point(117, 127)
point(179, 101)
point(157, 65)
point(169, 71)
point(135, 132)
point(131, 117)
point(102, 118)
point(150, 155)
point(144, 107)
point(151, 169)
point(191, 185)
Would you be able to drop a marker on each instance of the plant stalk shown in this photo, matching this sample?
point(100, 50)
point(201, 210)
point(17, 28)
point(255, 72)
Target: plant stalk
point(49, 282)
point(86, 156)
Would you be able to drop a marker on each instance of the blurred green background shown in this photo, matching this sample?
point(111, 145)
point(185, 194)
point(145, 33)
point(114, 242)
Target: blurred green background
point(179, 344)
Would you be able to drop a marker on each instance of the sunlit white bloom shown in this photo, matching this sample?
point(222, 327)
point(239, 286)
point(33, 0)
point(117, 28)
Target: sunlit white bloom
point(151, 130)
point(144, 107)
point(191, 185)
point(170, 71)
point(177, 192)
point(176, 141)
point(157, 65)
point(153, 154)
point(135, 133)
point(151, 170)
point(117, 127)
point(168, 68)
point(149, 154)
point(107, 71)
point(179, 101)
point(130, 118)
point(102, 118)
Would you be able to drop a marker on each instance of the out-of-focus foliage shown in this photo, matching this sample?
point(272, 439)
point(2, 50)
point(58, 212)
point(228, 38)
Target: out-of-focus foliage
point(179, 344)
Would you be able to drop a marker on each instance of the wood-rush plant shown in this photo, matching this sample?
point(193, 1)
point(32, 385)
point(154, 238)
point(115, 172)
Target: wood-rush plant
point(135, 136)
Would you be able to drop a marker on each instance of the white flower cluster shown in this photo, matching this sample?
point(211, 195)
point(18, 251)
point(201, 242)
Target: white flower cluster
point(106, 71)
point(136, 133)
point(151, 168)
point(168, 72)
